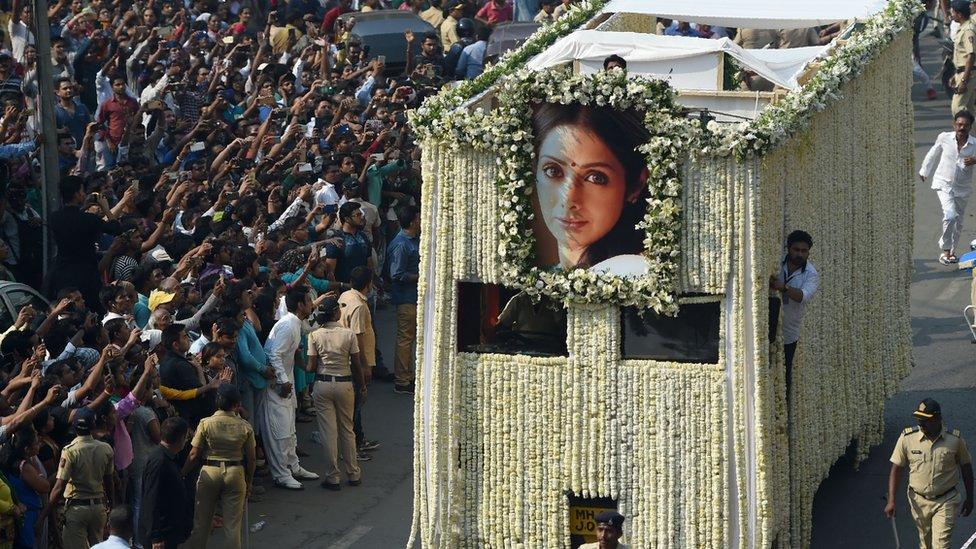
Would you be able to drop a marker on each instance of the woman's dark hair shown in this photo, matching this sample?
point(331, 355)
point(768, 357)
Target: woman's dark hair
point(16, 449)
point(209, 351)
point(622, 131)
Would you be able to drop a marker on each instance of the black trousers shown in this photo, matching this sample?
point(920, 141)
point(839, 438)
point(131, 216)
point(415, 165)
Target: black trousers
point(789, 350)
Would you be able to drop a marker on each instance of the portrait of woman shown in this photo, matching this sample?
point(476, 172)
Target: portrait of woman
point(590, 188)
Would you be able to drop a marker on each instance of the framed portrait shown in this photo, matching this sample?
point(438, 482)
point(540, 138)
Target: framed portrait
point(590, 187)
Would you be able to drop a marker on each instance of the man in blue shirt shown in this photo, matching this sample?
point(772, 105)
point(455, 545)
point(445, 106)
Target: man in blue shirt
point(356, 250)
point(472, 60)
point(404, 258)
point(68, 113)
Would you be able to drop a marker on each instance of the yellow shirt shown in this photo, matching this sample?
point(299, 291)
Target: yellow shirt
point(279, 38)
point(333, 344)
point(964, 44)
point(85, 462)
point(356, 317)
point(449, 33)
point(933, 466)
point(223, 436)
point(433, 15)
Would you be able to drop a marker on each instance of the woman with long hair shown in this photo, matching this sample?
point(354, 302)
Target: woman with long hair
point(591, 184)
point(27, 479)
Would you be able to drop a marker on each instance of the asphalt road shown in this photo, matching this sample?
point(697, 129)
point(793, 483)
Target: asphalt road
point(847, 509)
point(373, 515)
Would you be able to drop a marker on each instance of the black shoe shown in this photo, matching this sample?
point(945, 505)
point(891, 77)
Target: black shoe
point(403, 389)
point(381, 373)
point(329, 486)
point(355, 482)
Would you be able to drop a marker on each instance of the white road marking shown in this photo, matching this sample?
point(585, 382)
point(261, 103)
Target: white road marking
point(969, 541)
point(351, 537)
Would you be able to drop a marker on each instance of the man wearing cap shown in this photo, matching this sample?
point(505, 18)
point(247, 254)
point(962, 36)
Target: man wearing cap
point(609, 528)
point(448, 28)
point(335, 357)
point(934, 458)
point(963, 53)
point(224, 445)
point(85, 480)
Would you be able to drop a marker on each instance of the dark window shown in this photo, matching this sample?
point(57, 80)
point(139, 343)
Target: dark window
point(582, 515)
point(498, 319)
point(691, 336)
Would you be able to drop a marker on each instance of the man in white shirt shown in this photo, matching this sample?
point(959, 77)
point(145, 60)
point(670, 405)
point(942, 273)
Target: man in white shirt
point(18, 28)
point(949, 164)
point(797, 282)
point(280, 441)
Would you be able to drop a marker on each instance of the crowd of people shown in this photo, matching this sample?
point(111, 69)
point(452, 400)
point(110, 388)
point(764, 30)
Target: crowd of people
point(239, 197)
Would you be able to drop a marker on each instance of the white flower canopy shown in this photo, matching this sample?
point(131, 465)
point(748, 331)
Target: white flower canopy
point(684, 62)
point(752, 14)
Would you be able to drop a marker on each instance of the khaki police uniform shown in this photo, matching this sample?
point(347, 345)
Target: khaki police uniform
point(223, 438)
point(334, 397)
point(85, 462)
point(356, 317)
point(933, 472)
point(964, 45)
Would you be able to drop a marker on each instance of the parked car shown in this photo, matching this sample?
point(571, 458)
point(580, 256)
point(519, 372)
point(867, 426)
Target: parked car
point(508, 36)
point(13, 297)
point(381, 33)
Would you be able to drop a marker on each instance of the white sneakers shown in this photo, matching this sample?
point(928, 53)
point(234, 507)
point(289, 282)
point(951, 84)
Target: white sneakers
point(304, 474)
point(289, 483)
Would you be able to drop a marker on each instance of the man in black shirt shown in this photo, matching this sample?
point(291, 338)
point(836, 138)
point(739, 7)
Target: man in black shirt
point(431, 53)
point(176, 372)
point(166, 515)
point(75, 233)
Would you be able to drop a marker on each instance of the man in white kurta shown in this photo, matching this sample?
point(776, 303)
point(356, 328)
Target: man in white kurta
point(949, 164)
point(279, 418)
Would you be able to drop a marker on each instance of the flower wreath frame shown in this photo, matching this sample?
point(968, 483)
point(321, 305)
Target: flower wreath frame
point(671, 138)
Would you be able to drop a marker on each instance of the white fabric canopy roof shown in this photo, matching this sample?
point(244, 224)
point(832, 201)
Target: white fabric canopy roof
point(752, 14)
point(689, 63)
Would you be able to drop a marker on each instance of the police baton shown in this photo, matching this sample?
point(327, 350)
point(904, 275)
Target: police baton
point(894, 527)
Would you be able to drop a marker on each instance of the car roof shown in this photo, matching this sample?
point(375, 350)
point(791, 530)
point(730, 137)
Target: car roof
point(378, 22)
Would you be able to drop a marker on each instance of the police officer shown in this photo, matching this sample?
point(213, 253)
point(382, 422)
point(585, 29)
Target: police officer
point(934, 459)
point(85, 480)
point(335, 357)
point(609, 529)
point(963, 54)
point(224, 445)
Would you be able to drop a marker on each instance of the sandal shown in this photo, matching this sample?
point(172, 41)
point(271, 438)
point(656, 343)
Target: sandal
point(953, 258)
point(944, 259)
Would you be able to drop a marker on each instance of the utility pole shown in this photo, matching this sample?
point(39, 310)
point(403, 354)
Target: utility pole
point(50, 173)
